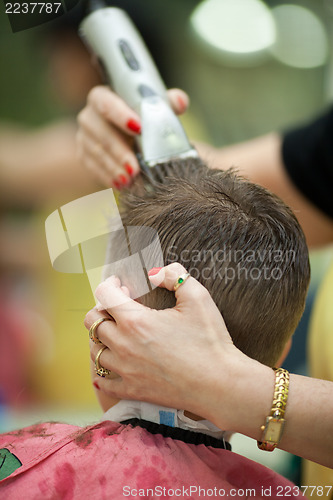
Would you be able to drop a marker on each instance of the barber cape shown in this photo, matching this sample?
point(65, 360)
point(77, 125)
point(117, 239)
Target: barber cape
point(168, 456)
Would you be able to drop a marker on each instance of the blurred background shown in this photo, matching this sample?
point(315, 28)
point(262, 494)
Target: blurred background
point(249, 66)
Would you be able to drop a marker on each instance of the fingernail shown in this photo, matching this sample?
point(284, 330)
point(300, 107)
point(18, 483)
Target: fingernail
point(154, 270)
point(116, 185)
point(99, 306)
point(95, 384)
point(129, 169)
point(123, 179)
point(181, 102)
point(134, 126)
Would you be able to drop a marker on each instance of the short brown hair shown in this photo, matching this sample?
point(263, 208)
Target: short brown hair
point(240, 241)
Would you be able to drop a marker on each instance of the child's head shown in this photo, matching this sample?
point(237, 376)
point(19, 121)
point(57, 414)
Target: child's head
point(241, 242)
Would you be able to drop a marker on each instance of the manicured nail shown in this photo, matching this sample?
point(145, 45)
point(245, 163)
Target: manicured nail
point(181, 102)
point(123, 179)
point(154, 270)
point(116, 185)
point(129, 169)
point(95, 384)
point(134, 126)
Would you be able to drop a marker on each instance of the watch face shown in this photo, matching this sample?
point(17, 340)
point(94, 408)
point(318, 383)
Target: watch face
point(273, 429)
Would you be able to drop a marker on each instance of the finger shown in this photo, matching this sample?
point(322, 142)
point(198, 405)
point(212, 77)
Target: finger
point(114, 300)
point(104, 362)
point(114, 388)
point(105, 358)
point(113, 109)
point(167, 276)
point(114, 142)
point(179, 100)
point(123, 389)
point(93, 315)
point(121, 150)
point(96, 159)
point(98, 171)
point(92, 124)
point(116, 148)
point(106, 332)
point(125, 290)
point(189, 292)
point(109, 147)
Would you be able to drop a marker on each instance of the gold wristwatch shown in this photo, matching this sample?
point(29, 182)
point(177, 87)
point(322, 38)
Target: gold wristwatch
point(274, 425)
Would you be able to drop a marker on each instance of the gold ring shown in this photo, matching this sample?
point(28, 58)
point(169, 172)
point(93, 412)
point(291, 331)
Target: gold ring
point(181, 279)
point(99, 369)
point(93, 328)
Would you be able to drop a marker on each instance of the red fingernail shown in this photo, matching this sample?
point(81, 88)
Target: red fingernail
point(95, 384)
point(134, 126)
point(154, 270)
point(181, 102)
point(129, 169)
point(116, 185)
point(123, 179)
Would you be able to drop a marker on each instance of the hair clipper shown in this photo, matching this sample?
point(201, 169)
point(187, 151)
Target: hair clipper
point(112, 37)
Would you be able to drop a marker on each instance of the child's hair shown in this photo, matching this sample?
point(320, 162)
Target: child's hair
point(237, 239)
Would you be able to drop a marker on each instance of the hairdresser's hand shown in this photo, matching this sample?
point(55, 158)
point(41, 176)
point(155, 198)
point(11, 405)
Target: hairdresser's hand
point(107, 127)
point(184, 358)
point(164, 356)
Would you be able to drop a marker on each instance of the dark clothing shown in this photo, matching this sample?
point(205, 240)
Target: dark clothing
point(181, 434)
point(307, 153)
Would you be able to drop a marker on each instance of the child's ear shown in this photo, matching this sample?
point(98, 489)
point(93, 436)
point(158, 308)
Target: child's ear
point(285, 353)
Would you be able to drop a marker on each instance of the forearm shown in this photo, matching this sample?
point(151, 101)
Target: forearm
point(309, 414)
point(39, 166)
point(309, 429)
point(260, 161)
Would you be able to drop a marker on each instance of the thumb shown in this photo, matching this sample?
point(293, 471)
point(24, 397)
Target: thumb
point(193, 299)
point(188, 290)
point(179, 100)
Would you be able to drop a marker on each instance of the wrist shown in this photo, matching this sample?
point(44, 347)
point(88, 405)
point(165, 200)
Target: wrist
point(272, 430)
point(242, 398)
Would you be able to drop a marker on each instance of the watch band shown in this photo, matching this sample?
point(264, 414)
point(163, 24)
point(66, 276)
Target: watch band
point(274, 425)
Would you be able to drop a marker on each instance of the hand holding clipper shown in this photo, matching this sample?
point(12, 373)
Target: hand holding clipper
point(129, 68)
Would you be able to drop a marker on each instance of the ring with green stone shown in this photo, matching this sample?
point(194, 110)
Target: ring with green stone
point(180, 280)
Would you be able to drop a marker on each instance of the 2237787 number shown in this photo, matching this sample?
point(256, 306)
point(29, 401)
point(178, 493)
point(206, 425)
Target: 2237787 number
point(308, 491)
point(32, 8)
